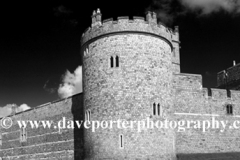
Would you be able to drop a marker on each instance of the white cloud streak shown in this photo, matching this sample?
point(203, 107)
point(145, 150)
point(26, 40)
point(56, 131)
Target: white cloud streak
point(9, 109)
point(210, 6)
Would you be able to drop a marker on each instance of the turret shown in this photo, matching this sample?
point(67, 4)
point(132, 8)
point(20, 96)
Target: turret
point(151, 17)
point(96, 18)
point(127, 75)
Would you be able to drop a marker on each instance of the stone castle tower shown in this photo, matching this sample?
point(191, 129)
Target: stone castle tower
point(128, 66)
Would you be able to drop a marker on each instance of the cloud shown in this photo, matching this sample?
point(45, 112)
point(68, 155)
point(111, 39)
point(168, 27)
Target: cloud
point(22, 108)
point(65, 16)
point(210, 6)
point(71, 83)
point(168, 10)
point(49, 89)
point(5, 111)
point(61, 10)
point(9, 108)
point(163, 9)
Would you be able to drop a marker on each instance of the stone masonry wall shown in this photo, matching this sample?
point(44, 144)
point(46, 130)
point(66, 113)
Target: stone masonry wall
point(125, 24)
point(196, 103)
point(45, 144)
point(230, 79)
point(137, 24)
point(176, 51)
point(128, 92)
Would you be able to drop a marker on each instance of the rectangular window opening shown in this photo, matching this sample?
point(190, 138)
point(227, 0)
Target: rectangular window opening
point(154, 109)
point(229, 109)
point(23, 135)
point(117, 61)
point(111, 59)
point(89, 114)
point(121, 142)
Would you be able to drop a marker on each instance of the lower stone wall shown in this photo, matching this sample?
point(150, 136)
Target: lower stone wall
point(215, 143)
point(199, 105)
point(45, 143)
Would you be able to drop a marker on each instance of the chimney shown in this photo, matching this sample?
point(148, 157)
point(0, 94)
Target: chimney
point(94, 18)
point(99, 17)
point(154, 18)
point(148, 16)
point(234, 63)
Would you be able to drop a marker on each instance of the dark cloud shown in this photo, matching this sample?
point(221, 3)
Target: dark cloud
point(48, 87)
point(65, 17)
point(210, 6)
point(168, 10)
point(61, 11)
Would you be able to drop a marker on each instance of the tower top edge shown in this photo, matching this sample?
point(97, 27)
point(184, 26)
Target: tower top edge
point(146, 24)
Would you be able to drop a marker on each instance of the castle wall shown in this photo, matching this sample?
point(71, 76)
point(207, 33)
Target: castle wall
point(176, 51)
point(127, 92)
point(193, 103)
point(187, 81)
point(230, 78)
point(47, 144)
point(138, 24)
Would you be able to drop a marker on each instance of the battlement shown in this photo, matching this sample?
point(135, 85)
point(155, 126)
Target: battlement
point(229, 78)
point(125, 24)
point(221, 94)
point(193, 83)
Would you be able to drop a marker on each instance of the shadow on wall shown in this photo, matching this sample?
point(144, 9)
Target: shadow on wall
point(210, 156)
point(78, 115)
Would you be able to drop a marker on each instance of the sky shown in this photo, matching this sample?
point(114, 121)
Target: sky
point(40, 41)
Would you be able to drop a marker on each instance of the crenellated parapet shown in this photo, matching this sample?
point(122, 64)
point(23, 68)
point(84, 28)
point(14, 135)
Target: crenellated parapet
point(229, 78)
point(193, 83)
point(142, 25)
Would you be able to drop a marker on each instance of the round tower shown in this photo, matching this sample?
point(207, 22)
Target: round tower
point(127, 74)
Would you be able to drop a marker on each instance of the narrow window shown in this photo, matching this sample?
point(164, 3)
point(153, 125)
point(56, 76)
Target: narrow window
point(154, 109)
point(111, 59)
point(117, 61)
point(158, 109)
point(229, 109)
point(89, 114)
point(121, 141)
point(23, 135)
point(174, 54)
